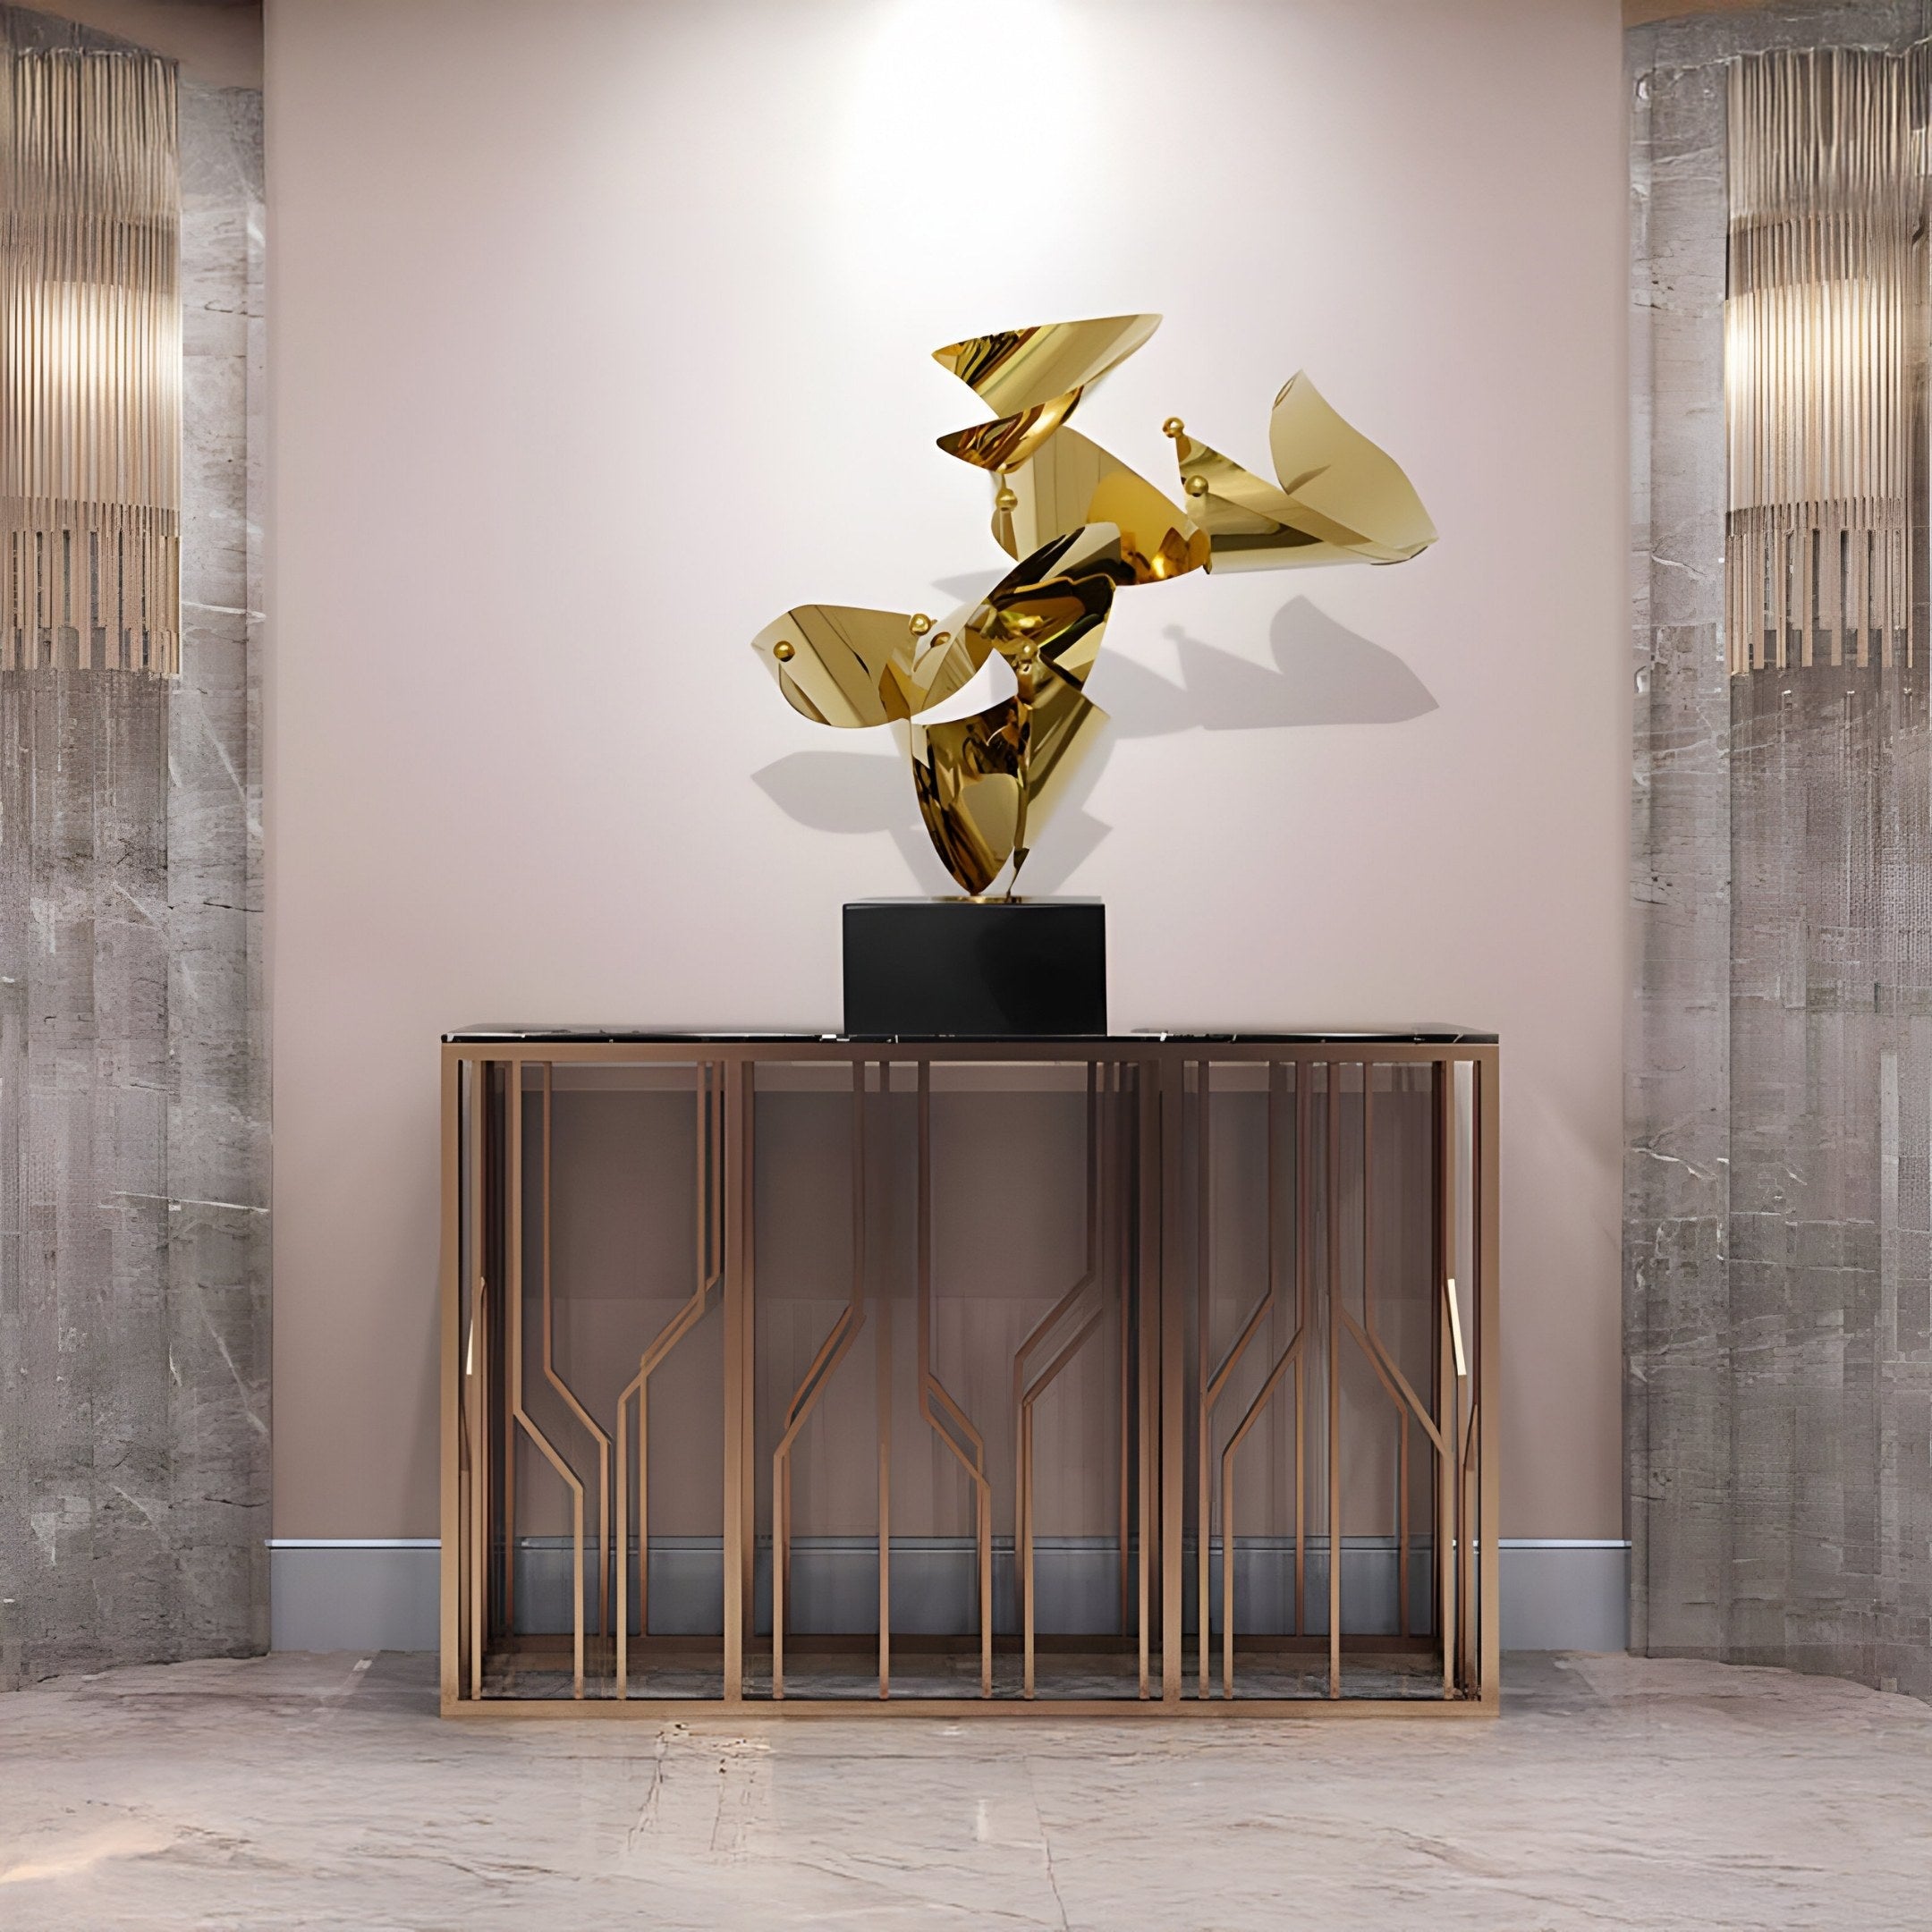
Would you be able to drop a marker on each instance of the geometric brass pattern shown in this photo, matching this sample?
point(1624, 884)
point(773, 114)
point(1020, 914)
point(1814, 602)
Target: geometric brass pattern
point(1154, 1313)
point(1079, 525)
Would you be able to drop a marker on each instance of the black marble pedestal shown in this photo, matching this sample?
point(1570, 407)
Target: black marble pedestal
point(970, 969)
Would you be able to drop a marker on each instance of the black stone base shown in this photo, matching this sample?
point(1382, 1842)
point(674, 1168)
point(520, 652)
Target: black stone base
point(968, 969)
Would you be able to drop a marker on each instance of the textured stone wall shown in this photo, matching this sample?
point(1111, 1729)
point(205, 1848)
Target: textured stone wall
point(1779, 1167)
point(133, 1083)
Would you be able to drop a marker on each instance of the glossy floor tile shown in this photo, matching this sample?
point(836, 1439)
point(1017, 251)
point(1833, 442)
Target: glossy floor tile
point(323, 1791)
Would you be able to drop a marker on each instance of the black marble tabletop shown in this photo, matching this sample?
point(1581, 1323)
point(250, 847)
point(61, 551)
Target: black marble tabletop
point(1431, 1034)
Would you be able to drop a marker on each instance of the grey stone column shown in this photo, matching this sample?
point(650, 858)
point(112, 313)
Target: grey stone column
point(1779, 1187)
point(134, 1084)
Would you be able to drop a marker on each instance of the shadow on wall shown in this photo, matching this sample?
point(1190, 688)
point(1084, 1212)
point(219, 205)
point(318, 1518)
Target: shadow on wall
point(1323, 675)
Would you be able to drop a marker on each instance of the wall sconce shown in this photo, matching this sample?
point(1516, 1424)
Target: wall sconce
point(90, 356)
point(1825, 357)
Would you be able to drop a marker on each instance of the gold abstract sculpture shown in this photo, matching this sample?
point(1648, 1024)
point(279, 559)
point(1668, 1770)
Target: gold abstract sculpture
point(1080, 526)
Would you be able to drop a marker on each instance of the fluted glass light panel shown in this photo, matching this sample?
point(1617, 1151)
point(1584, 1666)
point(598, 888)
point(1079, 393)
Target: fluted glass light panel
point(91, 345)
point(1824, 340)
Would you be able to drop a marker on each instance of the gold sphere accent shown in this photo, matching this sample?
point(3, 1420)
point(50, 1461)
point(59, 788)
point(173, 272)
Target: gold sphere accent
point(1197, 486)
point(1006, 500)
point(783, 651)
point(1172, 427)
point(919, 623)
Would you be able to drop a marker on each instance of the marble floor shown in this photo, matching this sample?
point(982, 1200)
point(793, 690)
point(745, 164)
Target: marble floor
point(323, 1791)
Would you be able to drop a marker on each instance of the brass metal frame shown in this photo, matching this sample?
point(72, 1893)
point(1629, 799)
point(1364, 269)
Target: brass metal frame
point(1150, 1263)
point(957, 1432)
point(1027, 1391)
point(710, 1206)
point(824, 1364)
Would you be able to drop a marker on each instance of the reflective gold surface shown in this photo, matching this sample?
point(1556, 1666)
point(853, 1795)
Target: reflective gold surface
point(1073, 482)
point(1082, 525)
point(1342, 500)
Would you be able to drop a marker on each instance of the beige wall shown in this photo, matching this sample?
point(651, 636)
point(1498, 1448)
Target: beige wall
point(597, 339)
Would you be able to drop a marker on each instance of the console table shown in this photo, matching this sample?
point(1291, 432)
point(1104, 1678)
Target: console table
point(1150, 1374)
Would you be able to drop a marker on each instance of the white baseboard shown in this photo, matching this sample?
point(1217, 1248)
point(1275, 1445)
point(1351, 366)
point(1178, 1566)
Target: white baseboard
point(366, 1595)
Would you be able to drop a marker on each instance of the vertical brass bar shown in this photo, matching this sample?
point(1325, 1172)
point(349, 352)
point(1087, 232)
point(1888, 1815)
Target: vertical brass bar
point(799, 1411)
point(563, 1387)
point(1203, 1341)
point(1402, 1414)
point(1438, 1274)
point(923, 1262)
point(449, 1517)
point(1230, 1542)
point(957, 1427)
point(524, 1424)
point(1025, 1394)
point(1303, 1254)
point(1023, 1540)
point(707, 1273)
point(520, 1422)
point(881, 1366)
point(737, 1392)
point(1048, 1376)
point(643, 1508)
point(1147, 1308)
point(477, 1367)
point(1228, 1548)
point(1173, 1358)
point(781, 1567)
point(701, 1082)
point(1117, 1182)
point(1466, 1631)
point(1447, 1483)
point(747, 1141)
point(1489, 1383)
point(1289, 1358)
point(1023, 1509)
point(1402, 1517)
point(1472, 1546)
point(623, 1610)
point(1331, 1154)
point(984, 1500)
point(481, 1604)
point(513, 1316)
point(825, 1365)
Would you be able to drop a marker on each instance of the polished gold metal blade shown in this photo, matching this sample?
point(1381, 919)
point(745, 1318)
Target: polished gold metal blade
point(1033, 377)
point(855, 668)
point(1342, 500)
point(1073, 482)
point(987, 784)
point(1064, 727)
point(1009, 441)
point(1055, 625)
point(1023, 368)
point(966, 774)
point(1333, 471)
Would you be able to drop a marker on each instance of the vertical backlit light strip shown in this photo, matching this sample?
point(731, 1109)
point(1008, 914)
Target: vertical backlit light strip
point(1824, 351)
point(90, 344)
